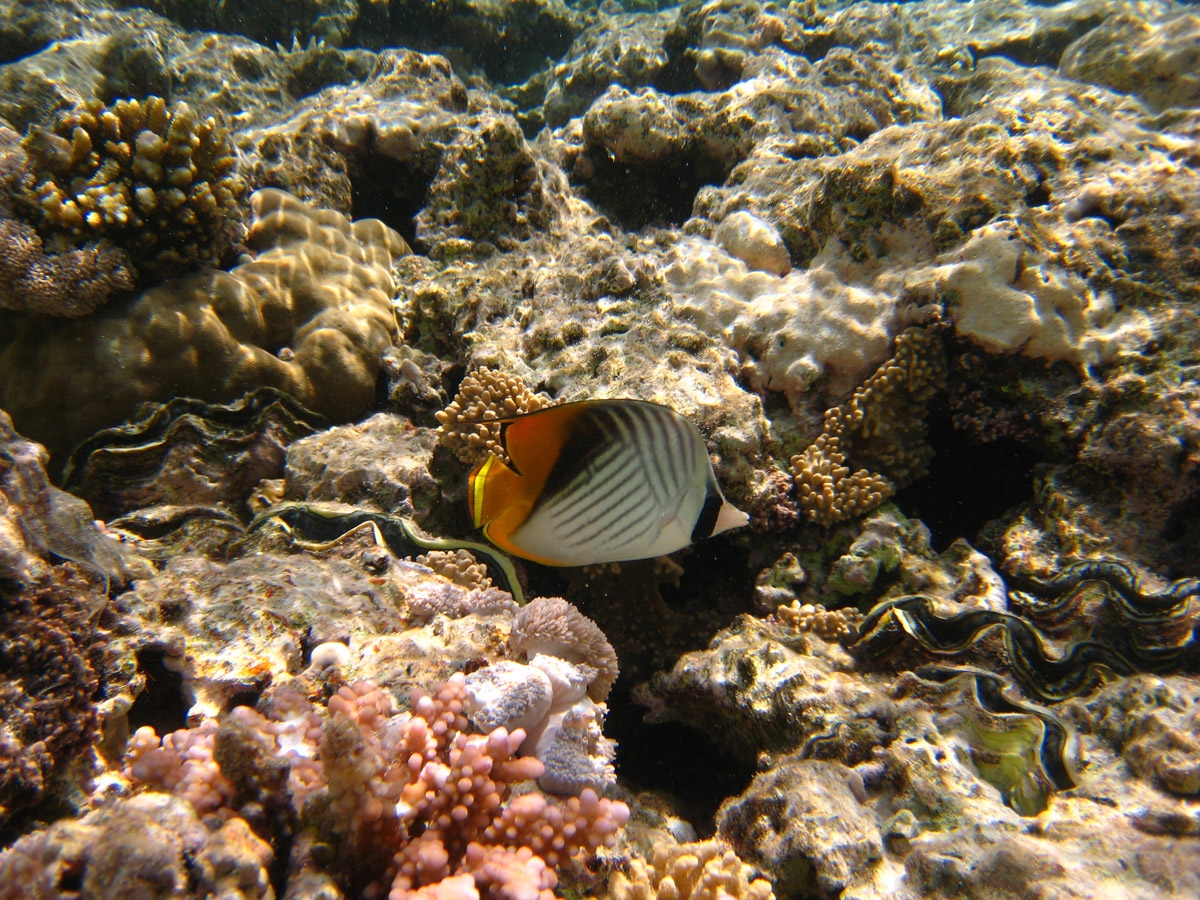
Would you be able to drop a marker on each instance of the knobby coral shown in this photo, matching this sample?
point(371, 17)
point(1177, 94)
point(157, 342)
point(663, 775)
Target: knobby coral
point(829, 624)
point(418, 802)
point(159, 182)
point(703, 870)
point(468, 427)
point(458, 566)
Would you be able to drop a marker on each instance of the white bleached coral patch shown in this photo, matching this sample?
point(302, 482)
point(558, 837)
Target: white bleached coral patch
point(787, 331)
point(1007, 299)
point(548, 700)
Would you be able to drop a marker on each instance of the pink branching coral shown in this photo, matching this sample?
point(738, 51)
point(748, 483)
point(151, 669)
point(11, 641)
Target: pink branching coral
point(422, 805)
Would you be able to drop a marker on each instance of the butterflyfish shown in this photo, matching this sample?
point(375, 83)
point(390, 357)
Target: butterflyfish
point(599, 481)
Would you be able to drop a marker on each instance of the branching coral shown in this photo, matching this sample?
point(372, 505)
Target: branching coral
point(828, 491)
point(418, 802)
point(71, 283)
point(484, 395)
point(158, 182)
point(882, 426)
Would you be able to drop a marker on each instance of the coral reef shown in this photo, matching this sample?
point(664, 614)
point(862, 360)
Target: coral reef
point(507, 41)
point(411, 144)
point(940, 257)
point(624, 49)
point(310, 315)
point(381, 464)
point(1152, 58)
point(889, 774)
point(827, 490)
point(136, 848)
point(791, 331)
point(159, 182)
point(413, 798)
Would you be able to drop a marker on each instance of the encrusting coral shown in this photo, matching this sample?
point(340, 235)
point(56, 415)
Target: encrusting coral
point(310, 315)
point(71, 283)
point(485, 394)
point(418, 802)
point(881, 425)
point(159, 182)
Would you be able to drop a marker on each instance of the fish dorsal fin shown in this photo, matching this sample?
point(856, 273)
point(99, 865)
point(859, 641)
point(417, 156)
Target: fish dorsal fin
point(535, 441)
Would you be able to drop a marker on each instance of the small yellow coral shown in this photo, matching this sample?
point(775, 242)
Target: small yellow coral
point(484, 395)
point(706, 870)
point(814, 618)
point(460, 567)
point(828, 491)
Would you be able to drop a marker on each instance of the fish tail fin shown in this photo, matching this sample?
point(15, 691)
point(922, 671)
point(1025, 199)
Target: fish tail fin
point(729, 517)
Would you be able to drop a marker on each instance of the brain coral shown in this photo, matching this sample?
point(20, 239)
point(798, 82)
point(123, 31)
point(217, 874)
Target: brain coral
point(159, 182)
point(310, 315)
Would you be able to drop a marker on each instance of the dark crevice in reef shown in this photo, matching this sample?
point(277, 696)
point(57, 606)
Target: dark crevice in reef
point(389, 191)
point(673, 758)
point(969, 483)
point(161, 704)
point(651, 627)
point(659, 192)
point(244, 698)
